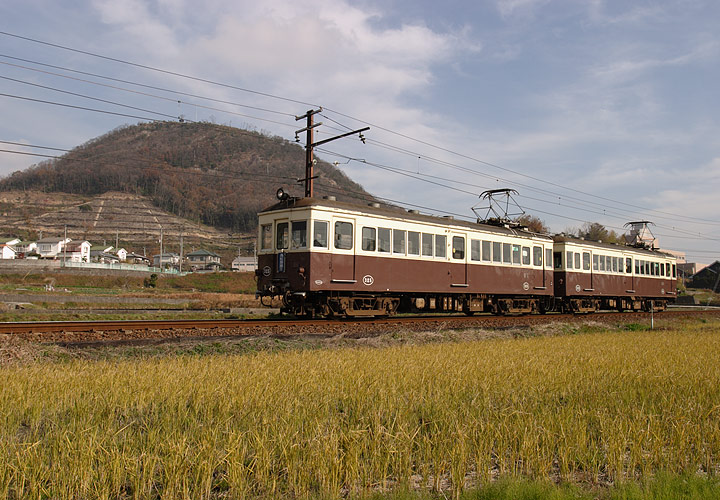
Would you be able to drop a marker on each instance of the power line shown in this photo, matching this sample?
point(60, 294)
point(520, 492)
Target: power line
point(79, 107)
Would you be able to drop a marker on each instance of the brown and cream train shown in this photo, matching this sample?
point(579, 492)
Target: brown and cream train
point(330, 258)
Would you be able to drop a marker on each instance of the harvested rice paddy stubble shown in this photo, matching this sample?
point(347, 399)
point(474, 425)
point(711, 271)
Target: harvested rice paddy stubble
point(600, 406)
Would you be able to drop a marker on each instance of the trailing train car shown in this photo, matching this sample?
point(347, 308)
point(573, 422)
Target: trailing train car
point(591, 276)
point(325, 257)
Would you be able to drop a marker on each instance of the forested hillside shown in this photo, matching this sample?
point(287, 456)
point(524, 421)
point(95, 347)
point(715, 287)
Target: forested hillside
point(207, 173)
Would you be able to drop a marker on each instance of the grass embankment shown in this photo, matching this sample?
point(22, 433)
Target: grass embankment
point(584, 410)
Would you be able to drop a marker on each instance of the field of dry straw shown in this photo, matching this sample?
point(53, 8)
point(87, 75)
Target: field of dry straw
point(593, 407)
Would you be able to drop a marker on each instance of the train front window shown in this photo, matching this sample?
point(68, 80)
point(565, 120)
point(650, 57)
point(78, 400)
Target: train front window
point(440, 246)
point(298, 235)
point(413, 244)
point(569, 260)
point(427, 245)
point(398, 241)
point(282, 236)
point(368, 239)
point(458, 247)
point(343, 235)
point(384, 239)
point(497, 251)
point(596, 266)
point(667, 269)
point(266, 237)
point(577, 260)
point(548, 257)
point(526, 256)
point(321, 230)
point(537, 256)
point(486, 251)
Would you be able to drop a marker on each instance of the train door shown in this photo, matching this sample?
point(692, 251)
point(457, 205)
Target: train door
point(342, 253)
point(458, 260)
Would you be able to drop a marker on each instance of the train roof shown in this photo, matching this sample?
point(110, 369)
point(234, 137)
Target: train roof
point(610, 246)
point(398, 213)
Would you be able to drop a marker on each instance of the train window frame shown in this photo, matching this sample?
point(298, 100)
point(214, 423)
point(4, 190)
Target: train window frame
point(667, 269)
point(425, 245)
point(614, 262)
point(284, 242)
point(368, 235)
point(674, 271)
point(576, 261)
point(637, 266)
point(458, 250)
point(557, 260)
point(595, 262)
point(298, 237)
point(586, 261)
point(320, 238)
point(399, 246)
point(440, 246)
point(608, 263)
point(475, 253)
point(537, 256)
point(601, 259)
point(548, 257)
point(266, 236)
point(568, 259)
point(340, 242)
point(384, 240)
point(486, 250)
point(507, 253)
point(628, 265)
point(525, 255)
point(413, 235)
point(497, 252)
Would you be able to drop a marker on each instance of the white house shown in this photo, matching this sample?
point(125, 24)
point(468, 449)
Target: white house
point(25, 249)
point(244, 264)
point(204, 259)
point(50, 248)
point(168, 260)
point(8, 250)
point(76, 251)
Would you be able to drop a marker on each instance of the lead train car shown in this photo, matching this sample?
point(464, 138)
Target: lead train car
point(325, 257)
point(593, 275)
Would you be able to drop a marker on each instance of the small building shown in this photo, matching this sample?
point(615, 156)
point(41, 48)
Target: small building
point(204, 259)
point(244, 264)
point(136, 258)
point(76, 251)
point(708, 277)
point(7, 248)
point(121, 254)
point(50, 248)
point(103, 257)
point(169, 259)
point(26, 249)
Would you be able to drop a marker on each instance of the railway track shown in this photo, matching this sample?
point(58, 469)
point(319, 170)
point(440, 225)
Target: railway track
point(79, 332)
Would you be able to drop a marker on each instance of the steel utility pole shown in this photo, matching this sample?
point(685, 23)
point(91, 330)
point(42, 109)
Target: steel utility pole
point(310, 144)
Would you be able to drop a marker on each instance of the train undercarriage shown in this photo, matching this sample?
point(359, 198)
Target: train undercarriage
point(335, 304)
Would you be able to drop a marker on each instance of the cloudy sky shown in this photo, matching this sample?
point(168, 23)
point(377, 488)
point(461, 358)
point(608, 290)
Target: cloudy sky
point(594, 110)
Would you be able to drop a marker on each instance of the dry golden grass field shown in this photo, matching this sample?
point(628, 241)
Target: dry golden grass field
point(591, 408)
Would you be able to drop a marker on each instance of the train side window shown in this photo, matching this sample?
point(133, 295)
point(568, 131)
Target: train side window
point(674, 271)
point(266, 237)
point(637, 266)
point(667, 269)
point(497, 251)
point(486, 251)
point(614, 264)
point(526, 256)
point(368, 239)
point(458, 247)
point(537, 256)
point(596, 265)
point(475, 250)
point(398, 241)
point(569, 260)
point(506, 253)
point(653, 268)
point(628, 265)
point(586, 261)
point(602, 262)
point(557, 260)
point(321, 231)
point(516, 254)
point(440, 246)
point(343, 235)
point(658, 272)
point(608, 263)
point(282, 238)
point(384, 239)
point(298, 234)
point(648, 264)
point(577, 260)
point(548, 257)
point(413, 243)
point(427, 245)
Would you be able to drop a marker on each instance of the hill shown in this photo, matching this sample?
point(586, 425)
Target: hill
point(208, 174)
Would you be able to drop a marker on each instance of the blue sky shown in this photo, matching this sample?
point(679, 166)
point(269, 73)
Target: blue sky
point(602, 111)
